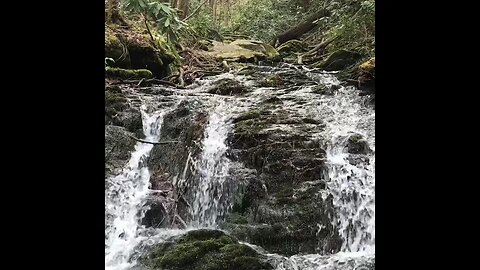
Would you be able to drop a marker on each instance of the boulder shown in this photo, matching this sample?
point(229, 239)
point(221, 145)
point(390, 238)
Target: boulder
point(339, 60)
point(242, 49)
point(204, 250)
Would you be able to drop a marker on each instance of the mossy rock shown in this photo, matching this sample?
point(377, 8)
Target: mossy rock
point(247, 116)
point(271, 52)
point(365, 75)
point(114, 98)
point(242, 51)
point(134, 49)
point(257, 46)
point(116, 50)
point(249, 44)
point(204, 250)
point(356, 144)
point(228, 87)
point(292, 46)
point(128, 73)
point(274, 80)
point(237, 218)
point(339, 60)
point(368, 66)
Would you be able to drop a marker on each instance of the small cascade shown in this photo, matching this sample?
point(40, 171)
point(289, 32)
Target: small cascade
point(345, 127)
point(209, 193)
point(126, 196)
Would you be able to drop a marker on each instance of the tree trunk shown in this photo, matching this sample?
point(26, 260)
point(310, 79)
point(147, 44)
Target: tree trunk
point(182, 5)
point(300, 29)
point(113, 13)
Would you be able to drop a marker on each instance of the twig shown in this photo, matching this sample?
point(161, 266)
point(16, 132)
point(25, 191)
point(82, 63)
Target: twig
point(154, 143)
point(180, 220)
point(195, 11)
point(148, 29)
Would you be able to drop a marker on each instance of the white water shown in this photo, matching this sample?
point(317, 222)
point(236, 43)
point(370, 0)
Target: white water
point(353, 185)
point(208, 202)
point(125, 198)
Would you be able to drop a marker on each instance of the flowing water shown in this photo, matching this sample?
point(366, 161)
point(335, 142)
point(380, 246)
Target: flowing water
point(214, 169)
point(350, 177)
point(126, 196)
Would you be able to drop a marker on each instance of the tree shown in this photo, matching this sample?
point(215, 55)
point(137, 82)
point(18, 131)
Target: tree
point(113, 11)
point(182, 5)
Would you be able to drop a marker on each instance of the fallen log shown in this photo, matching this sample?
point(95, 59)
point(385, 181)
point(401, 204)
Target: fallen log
point(320, 48)
point(300, 29)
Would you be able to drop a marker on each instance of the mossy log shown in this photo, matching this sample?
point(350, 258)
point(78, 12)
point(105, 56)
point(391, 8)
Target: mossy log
point(300, 29)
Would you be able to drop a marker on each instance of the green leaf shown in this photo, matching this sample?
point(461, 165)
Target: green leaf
point(142, 4)
point(165, 9)
point(167, 22)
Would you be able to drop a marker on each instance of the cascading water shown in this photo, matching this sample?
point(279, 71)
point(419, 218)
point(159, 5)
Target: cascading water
point(125, 199)
point(208, 203)
point(350, 177)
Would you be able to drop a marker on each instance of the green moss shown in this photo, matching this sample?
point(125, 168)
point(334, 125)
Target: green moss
point(249, 263)
point(128, 73)
point(236, 218)
point(202, 234)
point(292, 46)
point(189, 253)
point(228, 87)
point(251, 126)
point(112, 98)
point(237, 250)
point(204, 250)
point(271, 52)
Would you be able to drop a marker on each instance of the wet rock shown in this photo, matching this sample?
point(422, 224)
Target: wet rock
point(128, 73)
point(119, 111)
point(185, 124)
point(272, 81)
point(228, 87)
point(311, 121)
point(131, 120)
point(291, 229)
point(282, 203)
point(118, 145)
point(339, 60)
point(247, 116)
point(357, 145)
point(366, 76)
point(204, 250)
point(155, 215)
point(272, 100)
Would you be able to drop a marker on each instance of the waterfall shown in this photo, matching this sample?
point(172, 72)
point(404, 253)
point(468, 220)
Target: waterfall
point(349, 175)
point(350, 179)
point(209, 202)
point(126, 196)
